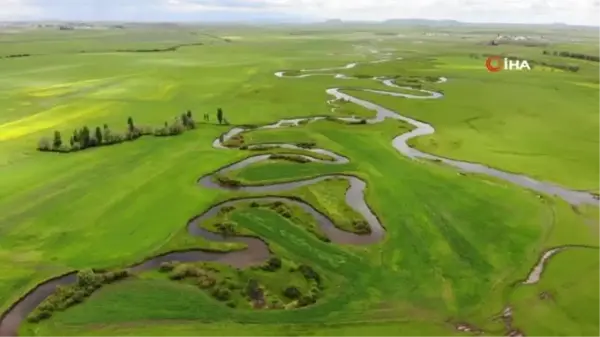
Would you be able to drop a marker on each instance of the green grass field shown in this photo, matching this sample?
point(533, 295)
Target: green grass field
point(454, 247)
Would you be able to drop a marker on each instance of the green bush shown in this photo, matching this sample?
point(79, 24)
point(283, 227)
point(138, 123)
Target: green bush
point(44, 144)
point(254, 204)
point(113, 276)
point(176, 128)
point(167, 266)
point(292, 158)
point(258, 148)
point(39, 315)
point(273, 264)
point(87, 277)
point(276, 304)
point(226, 209)
point(205, 282)
point(292, 293)
point(306, 145)
point(253, 290)
point(182, 271)
point(309, 273)
point(146, 131)
point(235, 141)
point(229, 284)
point(227, 228)
point(305, 301)
point(222, 294)
point(361, 226)
point(228, 182)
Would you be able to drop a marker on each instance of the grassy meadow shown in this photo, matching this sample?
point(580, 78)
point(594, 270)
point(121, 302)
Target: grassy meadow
point(455, 245)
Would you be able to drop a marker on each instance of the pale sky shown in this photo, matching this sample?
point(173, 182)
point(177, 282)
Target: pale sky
point(583, 12)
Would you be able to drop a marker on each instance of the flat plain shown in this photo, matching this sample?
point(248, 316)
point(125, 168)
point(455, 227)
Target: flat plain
point(456, 246)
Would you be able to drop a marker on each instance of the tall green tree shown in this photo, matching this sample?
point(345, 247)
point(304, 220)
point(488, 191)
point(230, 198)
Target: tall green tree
point(184, 120)
point(84, 137)
point(130, 124)
point(107, 136)
point(220, 115)
point(57, 140)
point(99, 135)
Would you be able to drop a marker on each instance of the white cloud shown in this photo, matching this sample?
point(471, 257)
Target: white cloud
point(18, 9)
point(533, 11)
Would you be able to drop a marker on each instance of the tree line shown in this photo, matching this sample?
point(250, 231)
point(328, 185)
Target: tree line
point(85, 137)
point(580, 56)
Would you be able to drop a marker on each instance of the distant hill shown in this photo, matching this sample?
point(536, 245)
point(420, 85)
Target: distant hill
point(446, 23)
point(426, 22)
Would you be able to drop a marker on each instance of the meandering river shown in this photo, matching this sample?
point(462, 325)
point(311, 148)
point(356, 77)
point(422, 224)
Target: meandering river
point(257, 250)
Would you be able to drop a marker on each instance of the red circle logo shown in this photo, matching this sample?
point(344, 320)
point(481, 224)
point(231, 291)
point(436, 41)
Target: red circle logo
point(493, 64)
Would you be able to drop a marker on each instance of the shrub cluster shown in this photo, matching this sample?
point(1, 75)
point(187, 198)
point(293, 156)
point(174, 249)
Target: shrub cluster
point(360, 122)
point(226, 209)
point(292, 293)
point(253, 291)
point(273, 264)
point(276, 304)
point(281, 208)
point(205, 282)
point(255, 148)
point(15, 56)
point(313, 278)
point(361, 226)
point(224, 291)
point(309, 273)
point(221, 294)
point(178, 271)
point(235, 141)
point(292, 158)
point(66, 296)
point(182, 271)
point(306, 145)
point(227, 228)
point(307, 300)
point(167, 266)
point(228, 182)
